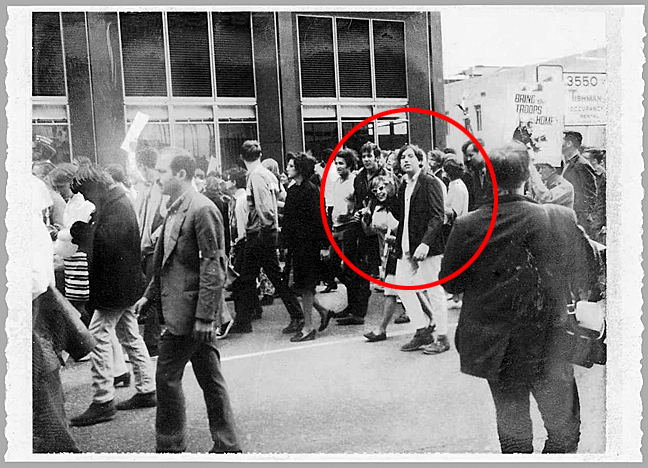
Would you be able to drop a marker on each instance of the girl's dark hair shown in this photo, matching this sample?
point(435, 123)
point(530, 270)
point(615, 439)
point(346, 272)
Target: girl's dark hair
point(238, 175)
point(349, 156)
point(117, 173)
point(304, 164)
point(90, 174)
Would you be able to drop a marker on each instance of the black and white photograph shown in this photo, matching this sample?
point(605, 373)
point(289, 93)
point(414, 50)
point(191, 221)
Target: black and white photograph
point(324, 233)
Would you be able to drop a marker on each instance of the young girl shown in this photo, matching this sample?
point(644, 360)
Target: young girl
point(383, 221)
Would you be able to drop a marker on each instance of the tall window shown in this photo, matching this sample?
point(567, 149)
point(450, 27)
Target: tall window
point(48, 75)
point(478, 117)
point(366, 59)
point(233, 54)
point(143, 54)
point(189, 54)
point(49, 95)
point(316, 57)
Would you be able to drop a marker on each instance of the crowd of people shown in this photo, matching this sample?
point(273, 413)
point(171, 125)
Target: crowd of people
point(163, 251)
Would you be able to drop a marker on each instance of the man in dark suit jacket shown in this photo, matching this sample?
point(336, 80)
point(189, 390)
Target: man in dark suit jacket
point(515, 305)
point(188, 285)
point(477, 178)
point(579, 172)
point(419, 245)
point(112, 242)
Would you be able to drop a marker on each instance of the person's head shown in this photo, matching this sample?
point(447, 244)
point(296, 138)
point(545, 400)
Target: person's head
point(449, 151)
point(61, 178)
point(118, 174)
point(326, 155)
point(410, 158)
point(42, 148)
point(454, 168)
point(511, 165)
point(545, 170)
point(250, 150)
point(346, 161)
point(272, 165)
point(81, 160)
point(571, 144)
point(370, 154)
point(236, 178)
point(382, 188)
point(595, 156)
point(145, 160)
point(175, 173)
point(435, 160)
point(91, 181)
point(471, 154)
point(300, 166)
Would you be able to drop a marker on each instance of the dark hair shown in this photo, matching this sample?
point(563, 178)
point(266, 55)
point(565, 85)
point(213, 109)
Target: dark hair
point(326, 154)
point(304, 164)
point(147, 157)
point(510, 164)
point(350, 157)
point(117, 172)
point(418, 152)
point(250, 150)
point(454, 168)
point(238, 175)
point(370, 147)
point(575, 137)
point(468, 144)
point(90, 174)
point(449, 151)
point(436, 155)
point(186, 163)
point(598, 155)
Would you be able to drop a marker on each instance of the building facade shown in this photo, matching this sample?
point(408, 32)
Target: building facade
point(481, 98)
point(208, 80)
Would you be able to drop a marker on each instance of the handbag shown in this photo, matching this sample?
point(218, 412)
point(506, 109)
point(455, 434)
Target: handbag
point(583, 346)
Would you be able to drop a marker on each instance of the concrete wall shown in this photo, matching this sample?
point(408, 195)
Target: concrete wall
point(490, 91)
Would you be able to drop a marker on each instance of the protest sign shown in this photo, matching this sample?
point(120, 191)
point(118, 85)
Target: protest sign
point(534, 116)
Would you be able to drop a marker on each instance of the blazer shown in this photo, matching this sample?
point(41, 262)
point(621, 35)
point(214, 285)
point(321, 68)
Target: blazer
point(516, 292)
point(189, 277)
point(113, 247)
point(581, 175)
point(426, 215)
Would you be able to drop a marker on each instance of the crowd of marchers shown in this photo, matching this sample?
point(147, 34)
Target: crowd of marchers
point(190, 258)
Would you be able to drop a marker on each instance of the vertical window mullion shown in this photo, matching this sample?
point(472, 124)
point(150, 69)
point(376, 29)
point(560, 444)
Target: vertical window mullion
point(336, 59)
point(167, 60)
point(212, 54)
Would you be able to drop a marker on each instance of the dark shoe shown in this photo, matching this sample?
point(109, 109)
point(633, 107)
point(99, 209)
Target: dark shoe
point(139, 400)
point(421, 338)
point(372, 337)
point(402, 318)
point(441, 345)
point(122, 380)
point(351, 320)
point(325, 320)
point(95, 414)
point(266, 300)
point(330, 287)
point(301, 337)
point(293, 327)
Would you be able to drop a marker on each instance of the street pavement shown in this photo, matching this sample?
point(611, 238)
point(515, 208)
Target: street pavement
point(337, 394)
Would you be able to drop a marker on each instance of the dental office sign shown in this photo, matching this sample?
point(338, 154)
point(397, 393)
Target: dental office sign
point(585, 98)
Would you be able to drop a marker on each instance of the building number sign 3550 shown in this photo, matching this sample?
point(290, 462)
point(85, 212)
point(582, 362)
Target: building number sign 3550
point(581, 80)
